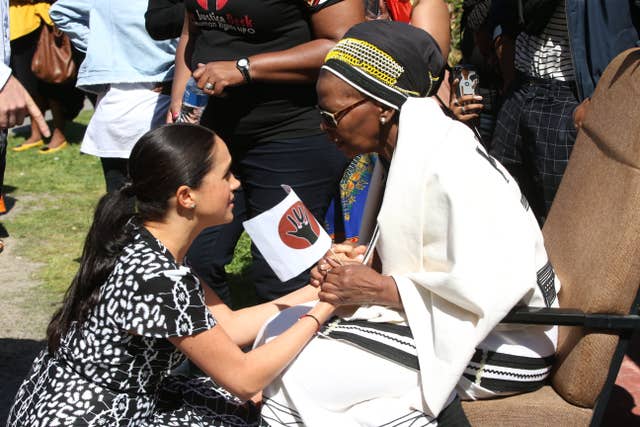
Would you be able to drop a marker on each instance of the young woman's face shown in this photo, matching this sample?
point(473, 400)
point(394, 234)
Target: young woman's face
point(357, 130)
point(214, 196)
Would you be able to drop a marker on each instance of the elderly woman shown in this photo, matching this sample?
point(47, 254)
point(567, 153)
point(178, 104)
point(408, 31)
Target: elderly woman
point(454, 248)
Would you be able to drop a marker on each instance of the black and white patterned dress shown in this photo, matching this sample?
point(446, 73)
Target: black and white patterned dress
point(113, 370)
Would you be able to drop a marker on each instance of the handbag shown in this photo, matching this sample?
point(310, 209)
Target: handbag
point(53, 59)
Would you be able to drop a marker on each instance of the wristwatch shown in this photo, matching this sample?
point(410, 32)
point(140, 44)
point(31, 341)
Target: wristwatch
point(242, 65)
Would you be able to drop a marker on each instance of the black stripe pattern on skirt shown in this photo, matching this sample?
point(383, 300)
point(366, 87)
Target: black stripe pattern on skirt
point(507, 373)
point(388, 340)
point(498, 372)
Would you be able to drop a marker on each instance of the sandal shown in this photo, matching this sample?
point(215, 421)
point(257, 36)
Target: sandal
point(48, 150)
point(27, 145)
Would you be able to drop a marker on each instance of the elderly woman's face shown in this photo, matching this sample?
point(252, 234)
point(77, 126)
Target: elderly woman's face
point(350, 119)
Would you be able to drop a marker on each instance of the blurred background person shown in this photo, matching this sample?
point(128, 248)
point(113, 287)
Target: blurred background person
point(259, 61)
point(478, 54)
point(561, 49)
point(129, 71)
point(345, 213)
point(15, 101)
point(63, 99)
point(428, 326)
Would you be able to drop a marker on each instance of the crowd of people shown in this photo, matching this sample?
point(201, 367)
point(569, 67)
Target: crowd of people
point(352, 103)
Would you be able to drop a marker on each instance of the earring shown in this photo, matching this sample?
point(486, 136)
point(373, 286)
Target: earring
point(383, 120)
point(192, 206)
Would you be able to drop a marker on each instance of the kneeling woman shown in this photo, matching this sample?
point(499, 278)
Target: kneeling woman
point(135, 309)
point(457, 247)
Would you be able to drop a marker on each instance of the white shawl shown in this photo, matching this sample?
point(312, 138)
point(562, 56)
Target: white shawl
point(459, 240)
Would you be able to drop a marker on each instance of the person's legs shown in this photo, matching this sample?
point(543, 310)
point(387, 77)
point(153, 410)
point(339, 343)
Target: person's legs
point(312, 166)
point(506, 144)
point(57, 137)
point(115, 172)
point(549, 138)
point(553, 152)
point(512, 142)
point(22, 50)
point(65, 101)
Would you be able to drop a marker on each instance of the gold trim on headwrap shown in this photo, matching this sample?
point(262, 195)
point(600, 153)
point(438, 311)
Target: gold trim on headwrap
point(432, 79)
point(371, 60)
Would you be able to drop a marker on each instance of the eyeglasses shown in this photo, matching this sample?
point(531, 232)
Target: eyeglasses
point(331, 120)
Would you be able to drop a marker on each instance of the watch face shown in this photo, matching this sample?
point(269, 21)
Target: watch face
point(243, 62)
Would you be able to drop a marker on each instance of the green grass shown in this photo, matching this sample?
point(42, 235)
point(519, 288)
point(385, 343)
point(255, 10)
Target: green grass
point(242, 293)
point(54, 197)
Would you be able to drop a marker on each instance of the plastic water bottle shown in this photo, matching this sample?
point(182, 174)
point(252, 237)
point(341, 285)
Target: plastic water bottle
point(194, 102)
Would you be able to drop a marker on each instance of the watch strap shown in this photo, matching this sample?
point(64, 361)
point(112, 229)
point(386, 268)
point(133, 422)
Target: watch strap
point(244, 69)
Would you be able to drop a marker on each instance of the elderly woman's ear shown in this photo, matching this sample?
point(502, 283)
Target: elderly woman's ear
point(387, 115)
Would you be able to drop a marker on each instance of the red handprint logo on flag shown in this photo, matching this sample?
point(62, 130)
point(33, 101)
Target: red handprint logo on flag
point(298, 228)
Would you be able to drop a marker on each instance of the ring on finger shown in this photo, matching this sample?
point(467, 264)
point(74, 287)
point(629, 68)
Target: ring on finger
point(209, 86)
point(463, 110)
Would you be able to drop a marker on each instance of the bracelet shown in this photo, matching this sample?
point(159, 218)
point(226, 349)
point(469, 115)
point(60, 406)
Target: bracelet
point(314, 318)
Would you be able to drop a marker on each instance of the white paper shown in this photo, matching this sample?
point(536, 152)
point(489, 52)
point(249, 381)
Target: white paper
point(288, 236)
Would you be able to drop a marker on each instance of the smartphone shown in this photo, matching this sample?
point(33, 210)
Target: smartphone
point(468, 80)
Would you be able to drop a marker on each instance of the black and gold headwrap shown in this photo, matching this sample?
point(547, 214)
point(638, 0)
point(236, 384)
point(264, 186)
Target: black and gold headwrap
point(388, 61)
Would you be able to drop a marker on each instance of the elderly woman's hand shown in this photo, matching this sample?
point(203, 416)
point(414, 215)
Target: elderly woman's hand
point(343, 253)
point(358, 284)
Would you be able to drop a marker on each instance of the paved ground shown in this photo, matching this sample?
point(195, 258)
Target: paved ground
point(24, 314)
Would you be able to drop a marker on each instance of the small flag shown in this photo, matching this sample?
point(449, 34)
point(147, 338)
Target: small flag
point(288, 236)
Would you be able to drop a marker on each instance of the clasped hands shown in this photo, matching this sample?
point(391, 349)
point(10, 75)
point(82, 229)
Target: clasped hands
point(344, 280)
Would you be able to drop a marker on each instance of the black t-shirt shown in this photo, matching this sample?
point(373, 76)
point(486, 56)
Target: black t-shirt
point(232, 29)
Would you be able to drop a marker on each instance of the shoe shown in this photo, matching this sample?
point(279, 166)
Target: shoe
point(47, 150)
point(27, 145)
point(1, 246)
